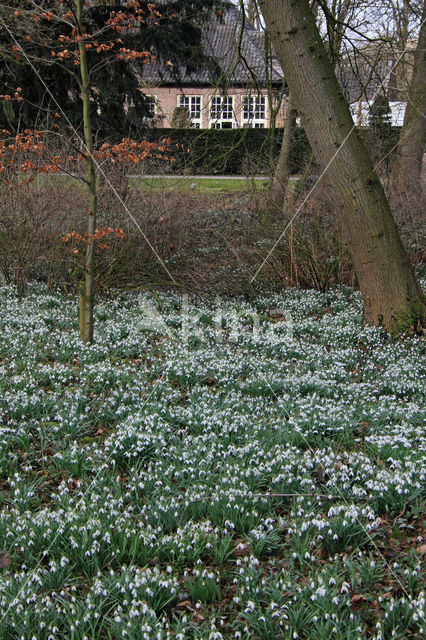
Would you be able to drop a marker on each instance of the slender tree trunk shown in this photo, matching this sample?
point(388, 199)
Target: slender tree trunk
point(87, 288)
point(407, 167)
point(282, 169)
point(253, 13)
point(392, 297)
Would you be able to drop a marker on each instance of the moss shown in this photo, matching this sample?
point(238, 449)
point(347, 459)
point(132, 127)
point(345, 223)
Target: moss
point(412, 319)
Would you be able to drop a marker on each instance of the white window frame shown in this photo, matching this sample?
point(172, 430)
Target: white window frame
point(191, 102)
point(221, 112)
point(154, 102)
point(253, 111)
point(131, 103)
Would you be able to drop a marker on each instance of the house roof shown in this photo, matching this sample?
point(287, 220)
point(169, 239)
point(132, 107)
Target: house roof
point(236, 50)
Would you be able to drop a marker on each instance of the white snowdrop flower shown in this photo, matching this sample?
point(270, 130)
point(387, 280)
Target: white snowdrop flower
point(345, 588)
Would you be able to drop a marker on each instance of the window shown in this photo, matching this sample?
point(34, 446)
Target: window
point(151, 106)
point(149, 109)
point(193, 104)
point(222, 112)
point(254, 112)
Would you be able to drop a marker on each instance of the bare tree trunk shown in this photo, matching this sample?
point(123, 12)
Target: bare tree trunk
point(392, 297)
point(282, 169)
point(87, 288)
point(407, 167)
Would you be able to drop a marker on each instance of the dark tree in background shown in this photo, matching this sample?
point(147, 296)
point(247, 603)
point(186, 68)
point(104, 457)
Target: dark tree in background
point(380, 121)
point(174, 36)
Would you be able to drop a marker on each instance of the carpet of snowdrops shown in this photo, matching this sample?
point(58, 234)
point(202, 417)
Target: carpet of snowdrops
point(218, 469)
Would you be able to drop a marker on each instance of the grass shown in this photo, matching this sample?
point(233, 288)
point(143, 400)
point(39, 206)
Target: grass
point(173, 183)
point(222, 478)
point(198, 185)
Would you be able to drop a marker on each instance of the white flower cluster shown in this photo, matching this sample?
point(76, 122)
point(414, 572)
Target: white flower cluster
point(222, 477)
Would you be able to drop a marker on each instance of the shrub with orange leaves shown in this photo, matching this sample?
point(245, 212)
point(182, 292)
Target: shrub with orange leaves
point(74, 238)
point(26, 155)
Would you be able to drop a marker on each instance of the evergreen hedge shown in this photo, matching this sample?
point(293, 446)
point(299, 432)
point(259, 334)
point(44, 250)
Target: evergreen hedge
point(240, 151)
point(229, 151)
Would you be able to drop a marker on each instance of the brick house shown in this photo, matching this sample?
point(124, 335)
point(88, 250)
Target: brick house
point(236, 90)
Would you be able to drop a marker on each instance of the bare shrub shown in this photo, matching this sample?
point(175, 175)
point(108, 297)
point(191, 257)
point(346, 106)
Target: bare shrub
point(206, 243)
point(313, 252)
point(194, 236)
point(32, 218)
point(408, 211)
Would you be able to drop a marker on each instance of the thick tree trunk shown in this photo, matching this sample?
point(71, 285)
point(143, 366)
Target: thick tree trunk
point(407, 167)
point(281, 176)
point(87, 289)
point(391, 294)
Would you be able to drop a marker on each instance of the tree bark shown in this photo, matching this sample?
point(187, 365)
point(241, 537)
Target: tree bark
point(87, 288)
point(392, 297)
point(407, 167)
point(282, 169)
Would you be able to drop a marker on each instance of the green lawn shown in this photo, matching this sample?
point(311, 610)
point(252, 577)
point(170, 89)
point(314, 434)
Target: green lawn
point(171, 183)
point(198, 185)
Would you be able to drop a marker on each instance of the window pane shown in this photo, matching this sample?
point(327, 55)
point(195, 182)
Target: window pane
point(221, 108)
point(195, 107)
point(254, 111)
point(150, 106)
point(260, 108)
point(215, 108)
point(227, 108)
point(193, 104)
point(248, 108)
